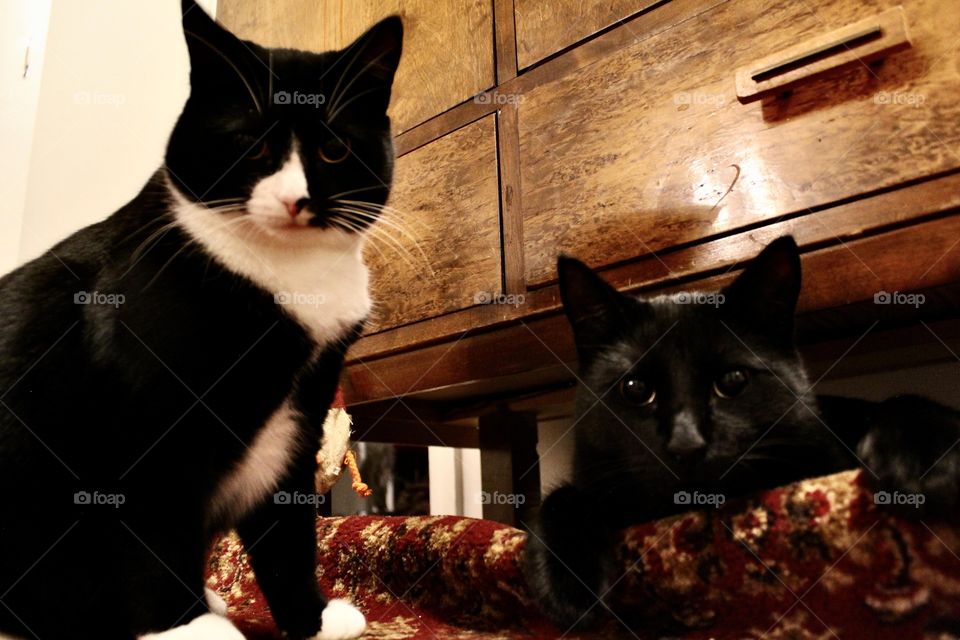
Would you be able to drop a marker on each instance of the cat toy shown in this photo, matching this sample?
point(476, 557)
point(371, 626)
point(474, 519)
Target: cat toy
point(335, 453)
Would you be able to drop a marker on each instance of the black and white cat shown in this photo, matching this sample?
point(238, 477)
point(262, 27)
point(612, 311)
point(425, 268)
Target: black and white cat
point(675, 396)
point(164, 372)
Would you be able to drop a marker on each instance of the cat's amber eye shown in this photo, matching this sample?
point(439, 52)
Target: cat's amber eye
point(731, 384)
point(335, 150)
point(259, 152)
point(636, 391)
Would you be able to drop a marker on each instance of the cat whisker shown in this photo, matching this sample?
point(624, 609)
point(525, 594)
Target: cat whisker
point(356, 223)
point(360, 190)
point(343, 73)
point(210, 203)
point(375, 206)
point(360, 218)
point(340, 108)
point(335, 100)
point(155, 236)
point(386, 215)
point(191, 243)
point(385, 219)
point(157, 220)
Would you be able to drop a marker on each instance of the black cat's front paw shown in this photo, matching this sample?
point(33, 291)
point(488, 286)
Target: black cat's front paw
point(563, 596)
point(912, 455)
point(567, 561)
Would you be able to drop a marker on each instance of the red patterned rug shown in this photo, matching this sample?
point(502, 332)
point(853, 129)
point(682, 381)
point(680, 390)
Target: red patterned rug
point(811, 560)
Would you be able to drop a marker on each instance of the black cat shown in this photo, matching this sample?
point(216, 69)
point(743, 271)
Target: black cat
point(706, 393)
point(164, 374)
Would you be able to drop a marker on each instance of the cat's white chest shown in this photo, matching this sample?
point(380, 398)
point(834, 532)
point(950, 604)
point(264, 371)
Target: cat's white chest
point(317, 277)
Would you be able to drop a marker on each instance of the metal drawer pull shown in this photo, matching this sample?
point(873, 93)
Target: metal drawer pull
point(862, 41)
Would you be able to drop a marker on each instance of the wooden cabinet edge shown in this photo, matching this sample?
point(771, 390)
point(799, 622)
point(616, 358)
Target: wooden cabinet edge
point(895, 208)
point(545, 340)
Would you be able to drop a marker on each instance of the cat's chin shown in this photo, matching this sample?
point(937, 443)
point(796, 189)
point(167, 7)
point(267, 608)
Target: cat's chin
point(296, 235)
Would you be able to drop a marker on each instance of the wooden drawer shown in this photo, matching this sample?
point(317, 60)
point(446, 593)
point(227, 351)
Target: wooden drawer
point(447, 198)
point(649, 148)
point(447, 47)
point(547, 26)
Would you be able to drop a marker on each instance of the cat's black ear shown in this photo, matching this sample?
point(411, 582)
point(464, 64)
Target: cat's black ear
point(202, 32)
point(765, 295)
point(217, 57)
point(595, 309)
point(376, 54)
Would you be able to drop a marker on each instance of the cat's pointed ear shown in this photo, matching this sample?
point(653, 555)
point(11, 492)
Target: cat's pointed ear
point(198, 26)
point(216, 55)
point(595, 309)
point(765, 295)
point(377, 51)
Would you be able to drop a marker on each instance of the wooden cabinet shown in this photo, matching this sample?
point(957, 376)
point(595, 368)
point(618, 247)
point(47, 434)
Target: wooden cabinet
point(447, 48)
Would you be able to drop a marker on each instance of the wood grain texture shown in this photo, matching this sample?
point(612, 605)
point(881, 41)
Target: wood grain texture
point(874, 213)
point(447, 198)
point(506, 39)
point(448, 48)
point(650, 148)
point(545, 27)
point(510, 204)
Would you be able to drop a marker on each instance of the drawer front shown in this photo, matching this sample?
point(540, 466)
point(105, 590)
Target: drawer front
point(448, 253)
point(546, 26)
point(447, 48)
point(650, 148)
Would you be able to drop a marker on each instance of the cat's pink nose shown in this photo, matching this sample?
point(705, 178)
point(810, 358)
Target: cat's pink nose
point(295, 206)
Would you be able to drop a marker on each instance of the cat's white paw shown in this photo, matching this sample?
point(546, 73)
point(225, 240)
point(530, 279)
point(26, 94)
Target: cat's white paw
point(215, 603)
point(209, 626)
point(340, 621)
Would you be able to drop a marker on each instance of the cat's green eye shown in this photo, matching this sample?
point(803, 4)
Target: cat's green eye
point(731, 384)
point(636, 391)
point(335, 150)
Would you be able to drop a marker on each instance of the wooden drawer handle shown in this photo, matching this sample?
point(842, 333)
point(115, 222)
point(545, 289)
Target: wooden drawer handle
point(862, 41)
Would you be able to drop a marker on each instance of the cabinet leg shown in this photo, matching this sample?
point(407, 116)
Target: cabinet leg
point(509, 466)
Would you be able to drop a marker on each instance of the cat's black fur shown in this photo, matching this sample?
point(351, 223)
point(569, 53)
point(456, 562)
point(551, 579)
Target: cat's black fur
point(157, 398)
point(633, 453)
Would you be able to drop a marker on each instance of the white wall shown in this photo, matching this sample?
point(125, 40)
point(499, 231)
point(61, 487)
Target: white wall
point(23, 32)
point(455, 488)
point(115, 76)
